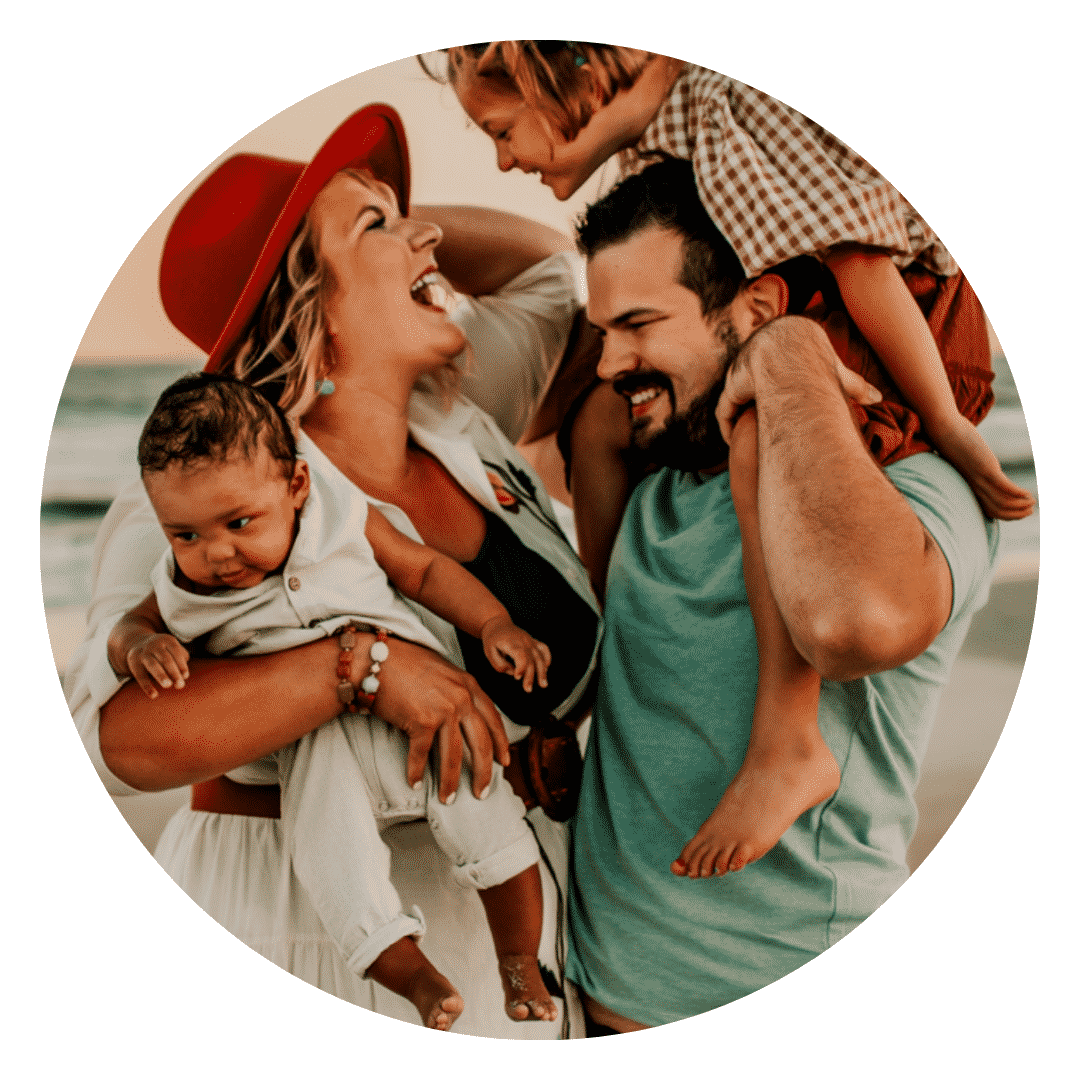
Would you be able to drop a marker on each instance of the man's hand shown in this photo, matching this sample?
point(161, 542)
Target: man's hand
point(429, 699)
point(768, 343)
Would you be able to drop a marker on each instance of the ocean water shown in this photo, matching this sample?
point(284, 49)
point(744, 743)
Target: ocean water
point(104, 406)
point(91, 458)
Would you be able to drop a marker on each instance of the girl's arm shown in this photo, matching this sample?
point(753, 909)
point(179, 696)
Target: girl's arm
point(451, 592)
point(883, 309)
point(481, 249)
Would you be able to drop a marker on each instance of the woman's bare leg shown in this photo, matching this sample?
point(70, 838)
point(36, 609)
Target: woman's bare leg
point(515, 913)
point(405, 970)
point(788, 767)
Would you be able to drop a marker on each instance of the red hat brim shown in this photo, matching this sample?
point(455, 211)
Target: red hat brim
point(229, 237)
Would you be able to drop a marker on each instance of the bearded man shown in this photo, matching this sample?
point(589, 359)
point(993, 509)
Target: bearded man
point(876, 573)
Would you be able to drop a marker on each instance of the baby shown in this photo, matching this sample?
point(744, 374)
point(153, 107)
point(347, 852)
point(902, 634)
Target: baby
point(249, 523)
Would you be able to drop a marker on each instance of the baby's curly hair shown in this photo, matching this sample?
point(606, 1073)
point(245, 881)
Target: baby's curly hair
point(210, 417)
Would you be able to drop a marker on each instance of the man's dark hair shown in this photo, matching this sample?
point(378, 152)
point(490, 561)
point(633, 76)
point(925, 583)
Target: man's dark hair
point(209, 417)
point(665, 194)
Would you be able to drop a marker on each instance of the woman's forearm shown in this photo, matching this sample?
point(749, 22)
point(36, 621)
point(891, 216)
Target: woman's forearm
point(482, 249)
point(230, 712)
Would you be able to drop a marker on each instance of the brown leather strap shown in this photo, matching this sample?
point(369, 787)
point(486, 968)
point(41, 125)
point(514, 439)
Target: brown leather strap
point(225, 796)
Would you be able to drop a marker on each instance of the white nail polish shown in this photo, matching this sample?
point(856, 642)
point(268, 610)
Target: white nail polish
point(418, 786)
point(485, 793)
point(452, 797)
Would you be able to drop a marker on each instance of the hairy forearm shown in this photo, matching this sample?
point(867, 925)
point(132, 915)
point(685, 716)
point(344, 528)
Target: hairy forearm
point(859, 583)
point(482, 249)
point(231, 712)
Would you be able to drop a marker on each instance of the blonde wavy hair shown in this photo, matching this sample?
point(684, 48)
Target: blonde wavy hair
point(550, 76)
point(285, 350)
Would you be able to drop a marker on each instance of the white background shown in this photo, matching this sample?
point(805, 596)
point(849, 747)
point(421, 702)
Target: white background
point(968, 108)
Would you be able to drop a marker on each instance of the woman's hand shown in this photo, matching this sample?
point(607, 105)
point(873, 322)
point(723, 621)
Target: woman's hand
point(429, 699)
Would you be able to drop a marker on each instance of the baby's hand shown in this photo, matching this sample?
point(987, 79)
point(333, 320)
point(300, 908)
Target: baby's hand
point(510, 650)
point(961, 444)
point(158, 658)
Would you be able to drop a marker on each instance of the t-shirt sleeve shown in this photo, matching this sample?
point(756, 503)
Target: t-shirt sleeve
point(948, 509)
point(518, 336)
point(129, 543)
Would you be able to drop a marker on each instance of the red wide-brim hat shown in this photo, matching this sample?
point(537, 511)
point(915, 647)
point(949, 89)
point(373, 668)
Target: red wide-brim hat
point(229, 237)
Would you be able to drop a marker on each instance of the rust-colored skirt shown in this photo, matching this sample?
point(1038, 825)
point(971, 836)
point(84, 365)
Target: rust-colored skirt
point(891, 429)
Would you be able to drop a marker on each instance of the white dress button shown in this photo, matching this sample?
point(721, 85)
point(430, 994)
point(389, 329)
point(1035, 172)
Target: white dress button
point(384, 806)
point(294, 583)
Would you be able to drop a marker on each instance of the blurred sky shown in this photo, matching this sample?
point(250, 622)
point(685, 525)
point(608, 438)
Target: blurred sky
point(452, 162)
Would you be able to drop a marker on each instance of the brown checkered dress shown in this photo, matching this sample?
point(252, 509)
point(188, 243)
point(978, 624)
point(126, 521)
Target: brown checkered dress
point(776, 184)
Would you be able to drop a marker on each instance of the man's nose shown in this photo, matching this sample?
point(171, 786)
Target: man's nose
point(615, 359)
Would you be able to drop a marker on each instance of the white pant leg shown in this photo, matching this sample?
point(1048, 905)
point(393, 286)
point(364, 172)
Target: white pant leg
point(487, 841)
point(331, 834)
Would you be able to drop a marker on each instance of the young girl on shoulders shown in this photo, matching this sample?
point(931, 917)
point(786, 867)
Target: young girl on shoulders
point(777, 186)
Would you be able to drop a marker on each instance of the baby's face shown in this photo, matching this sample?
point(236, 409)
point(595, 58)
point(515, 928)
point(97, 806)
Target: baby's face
point(229, 523)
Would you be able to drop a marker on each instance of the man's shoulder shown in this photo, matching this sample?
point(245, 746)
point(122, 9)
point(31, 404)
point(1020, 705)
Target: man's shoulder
point(949, 511)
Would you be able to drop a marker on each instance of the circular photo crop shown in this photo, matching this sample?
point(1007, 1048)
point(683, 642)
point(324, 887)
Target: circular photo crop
point(540, 540)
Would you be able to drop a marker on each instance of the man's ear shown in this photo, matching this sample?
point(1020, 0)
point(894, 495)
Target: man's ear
point(765, 298)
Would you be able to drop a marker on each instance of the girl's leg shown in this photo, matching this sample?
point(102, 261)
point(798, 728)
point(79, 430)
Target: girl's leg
point(788, 767)
point(515, 912)
point(600, 481)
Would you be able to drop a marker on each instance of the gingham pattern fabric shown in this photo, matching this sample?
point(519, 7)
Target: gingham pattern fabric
point(776, 184)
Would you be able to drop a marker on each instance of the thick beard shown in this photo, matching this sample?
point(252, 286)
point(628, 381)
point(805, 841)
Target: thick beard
point(690, 441)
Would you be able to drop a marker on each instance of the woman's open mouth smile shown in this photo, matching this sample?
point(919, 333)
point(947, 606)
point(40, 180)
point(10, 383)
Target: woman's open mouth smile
point(429, 292)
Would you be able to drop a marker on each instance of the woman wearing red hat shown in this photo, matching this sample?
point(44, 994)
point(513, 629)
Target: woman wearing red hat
point(310, 282)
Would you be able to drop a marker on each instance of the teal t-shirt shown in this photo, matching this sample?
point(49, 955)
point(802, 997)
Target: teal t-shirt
point(678, 675)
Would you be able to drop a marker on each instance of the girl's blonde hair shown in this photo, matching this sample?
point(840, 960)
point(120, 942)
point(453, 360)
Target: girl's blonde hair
point(285, 349)
point(551, 76)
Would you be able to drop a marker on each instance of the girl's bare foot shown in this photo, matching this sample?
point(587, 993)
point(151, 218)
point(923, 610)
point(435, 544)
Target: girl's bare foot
point(526, 996)
point(769, 792)
point(961, 444)
point(403, 968)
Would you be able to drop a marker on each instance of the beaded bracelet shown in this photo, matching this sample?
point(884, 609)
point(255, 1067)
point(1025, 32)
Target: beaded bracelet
point(354, 700)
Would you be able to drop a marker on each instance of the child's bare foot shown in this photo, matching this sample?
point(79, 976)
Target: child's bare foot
point(437, 1002)
point(769, 792)
point(526, 996)
point(962, 446)
point(403, 968)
